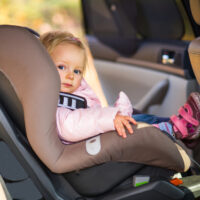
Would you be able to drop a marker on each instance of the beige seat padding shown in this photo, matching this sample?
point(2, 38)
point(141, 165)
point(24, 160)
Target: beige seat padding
point(194, 54)
point(30, 70)
point(195, 8)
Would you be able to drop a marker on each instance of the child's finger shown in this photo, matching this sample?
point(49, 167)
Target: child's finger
point(120, 129)
point(128, 126)
point(131, 120)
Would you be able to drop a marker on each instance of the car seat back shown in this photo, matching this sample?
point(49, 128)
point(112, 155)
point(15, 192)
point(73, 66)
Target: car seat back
point(117, 31)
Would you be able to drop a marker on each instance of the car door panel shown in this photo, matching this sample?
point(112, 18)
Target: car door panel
point(137, 81)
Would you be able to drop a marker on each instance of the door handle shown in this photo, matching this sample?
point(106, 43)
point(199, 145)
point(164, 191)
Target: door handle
point(154, 96)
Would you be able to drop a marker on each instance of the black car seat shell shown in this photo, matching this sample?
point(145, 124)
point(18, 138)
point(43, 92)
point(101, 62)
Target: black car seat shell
point(34, 80)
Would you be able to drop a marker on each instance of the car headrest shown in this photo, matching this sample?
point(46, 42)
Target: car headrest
point(195, 7)
point(194, 54)
point(152, 14)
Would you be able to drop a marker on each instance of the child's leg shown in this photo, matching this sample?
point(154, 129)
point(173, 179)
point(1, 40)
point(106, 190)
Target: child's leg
point(185, 126)
point(166, 127)
point(161, 123)
point(150, 119)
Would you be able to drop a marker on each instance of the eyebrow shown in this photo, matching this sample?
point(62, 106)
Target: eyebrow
point(79, 67)
point(61, 61)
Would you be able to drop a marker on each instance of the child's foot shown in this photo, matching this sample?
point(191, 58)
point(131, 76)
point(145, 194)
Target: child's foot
point(187, 124)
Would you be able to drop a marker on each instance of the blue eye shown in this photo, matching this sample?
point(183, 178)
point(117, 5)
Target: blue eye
point(61, 67)
point(76, 71)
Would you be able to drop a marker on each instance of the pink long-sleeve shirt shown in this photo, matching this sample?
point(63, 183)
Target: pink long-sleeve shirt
point(80, 124)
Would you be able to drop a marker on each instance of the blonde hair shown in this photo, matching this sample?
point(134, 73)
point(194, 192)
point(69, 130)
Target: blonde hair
point(52, 39)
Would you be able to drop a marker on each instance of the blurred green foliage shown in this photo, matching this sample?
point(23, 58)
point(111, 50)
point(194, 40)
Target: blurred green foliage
point(42, 15)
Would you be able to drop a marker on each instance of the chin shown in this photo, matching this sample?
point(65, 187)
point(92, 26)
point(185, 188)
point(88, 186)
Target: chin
point(65, 91)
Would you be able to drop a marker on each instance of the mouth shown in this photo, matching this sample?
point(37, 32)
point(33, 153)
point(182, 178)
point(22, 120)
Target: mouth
point(67, 85)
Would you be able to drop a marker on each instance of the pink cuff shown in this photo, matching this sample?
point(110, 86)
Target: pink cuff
point(124, 105)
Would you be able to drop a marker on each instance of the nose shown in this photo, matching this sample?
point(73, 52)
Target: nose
point(69, 75)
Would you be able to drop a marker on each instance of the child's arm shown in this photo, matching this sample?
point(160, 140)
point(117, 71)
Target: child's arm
point(80, 124)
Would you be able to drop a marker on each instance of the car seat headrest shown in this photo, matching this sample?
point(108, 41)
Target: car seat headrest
point(194, 54)
point(195, 7)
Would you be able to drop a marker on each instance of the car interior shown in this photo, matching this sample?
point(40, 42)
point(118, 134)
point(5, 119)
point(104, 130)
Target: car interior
point(155, 46)
point(156, 68)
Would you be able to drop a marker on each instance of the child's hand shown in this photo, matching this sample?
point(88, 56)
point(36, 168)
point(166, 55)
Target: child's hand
point(121, 122)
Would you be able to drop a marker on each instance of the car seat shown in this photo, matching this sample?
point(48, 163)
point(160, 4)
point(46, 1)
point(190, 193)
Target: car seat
point(25, 175)
point(134, 23)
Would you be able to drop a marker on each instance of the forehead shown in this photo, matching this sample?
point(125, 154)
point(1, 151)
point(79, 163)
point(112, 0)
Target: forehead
point(69, 53)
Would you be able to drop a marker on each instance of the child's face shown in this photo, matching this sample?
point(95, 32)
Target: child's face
point(69, 60)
